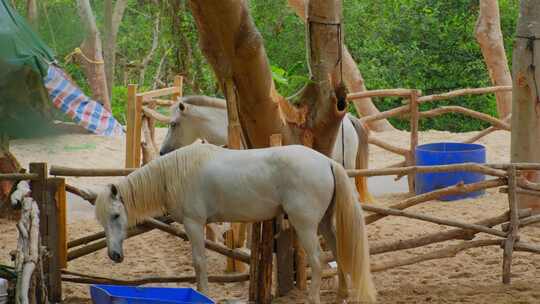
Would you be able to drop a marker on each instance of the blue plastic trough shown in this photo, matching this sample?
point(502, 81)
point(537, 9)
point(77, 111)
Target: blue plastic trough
point(446, 154)
point(113, 294)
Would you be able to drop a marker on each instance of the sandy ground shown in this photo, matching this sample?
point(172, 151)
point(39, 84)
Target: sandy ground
point(471, 277)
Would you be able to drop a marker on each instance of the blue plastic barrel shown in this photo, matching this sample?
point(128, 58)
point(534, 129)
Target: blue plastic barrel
point(447, 153)
point(114, 294)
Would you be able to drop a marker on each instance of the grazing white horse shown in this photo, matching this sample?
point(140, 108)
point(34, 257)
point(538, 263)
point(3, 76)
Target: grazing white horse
point(203, 183)
point(206, 117)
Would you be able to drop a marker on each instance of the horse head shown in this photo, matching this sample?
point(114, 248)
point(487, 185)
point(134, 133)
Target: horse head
point(173, 139)
point(111, 214)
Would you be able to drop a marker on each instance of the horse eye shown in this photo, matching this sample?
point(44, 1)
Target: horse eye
point(116, 216)
point(173, 124)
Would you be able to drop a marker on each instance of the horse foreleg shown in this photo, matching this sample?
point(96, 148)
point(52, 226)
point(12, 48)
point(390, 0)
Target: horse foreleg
point(329, 234)
point(195, 232)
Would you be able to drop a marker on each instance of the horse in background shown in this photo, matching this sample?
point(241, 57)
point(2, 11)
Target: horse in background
point(206, 117)
point(203, 183)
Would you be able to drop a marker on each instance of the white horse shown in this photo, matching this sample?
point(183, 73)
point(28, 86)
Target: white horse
point(206, 117)
point(203, 183)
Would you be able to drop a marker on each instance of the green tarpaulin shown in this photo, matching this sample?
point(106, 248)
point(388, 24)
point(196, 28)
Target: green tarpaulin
point(25, 109)
point(19, 45)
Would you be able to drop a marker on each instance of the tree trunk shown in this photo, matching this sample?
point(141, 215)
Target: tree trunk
point(32, 13)
point(91, 58)
point(525, 145)
point(352, 77)
point(234, 48)
point(155, 43)
point(489, 35)
point(113, 18)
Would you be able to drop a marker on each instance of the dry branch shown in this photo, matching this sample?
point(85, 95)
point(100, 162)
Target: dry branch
point(232, 253)
point(78, 172)
point(70, 276)
point(525, 183)
point(159, 102)
point(523, 222)
point(450, 251)
point(90, 197)
point(462, 92)
point(18, 176)
point(388, 147)
point(156, 115)
point(159, 93)
point(518, 166)
point(475, 114)
point(437, 237)
point(381, 93)
point(472, 167)
point(458, 189)
point(427, 218)
point(399, 111)
point(485, 132)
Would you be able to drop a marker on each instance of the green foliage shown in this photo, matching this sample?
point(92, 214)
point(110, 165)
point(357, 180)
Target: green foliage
point(118, 103)
point(423, 44)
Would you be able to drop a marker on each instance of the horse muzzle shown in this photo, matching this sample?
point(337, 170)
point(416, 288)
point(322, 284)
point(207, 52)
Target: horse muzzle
point(116, 256)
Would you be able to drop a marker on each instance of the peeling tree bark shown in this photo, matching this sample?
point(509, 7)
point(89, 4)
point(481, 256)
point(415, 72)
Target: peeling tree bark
point(489, 36)
point(352, 77)
point(234, 48)
point(525, 146)
point(92, 57)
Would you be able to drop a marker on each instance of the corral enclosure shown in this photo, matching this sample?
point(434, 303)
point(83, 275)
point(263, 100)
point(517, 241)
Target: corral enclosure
point(432, 252)
point(472, 276)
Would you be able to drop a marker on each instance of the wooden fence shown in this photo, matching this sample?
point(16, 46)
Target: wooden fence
point(141, 115)
point(50, 193)
point(412, 111)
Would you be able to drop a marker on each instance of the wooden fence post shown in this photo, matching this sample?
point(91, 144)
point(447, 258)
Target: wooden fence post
point(234, 238)
point(513, 229)
point(56, 237)
point(137, 123)
point(39, 194)
point(130, 124)
point(414, 112)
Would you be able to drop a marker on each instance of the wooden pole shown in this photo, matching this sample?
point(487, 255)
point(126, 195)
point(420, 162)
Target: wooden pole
point(130, 124)
point(254, 262)
point(56, 237)
point(414, 137)
point(39, 194)
point(137, 143)
point(234, 238)
point(514, 226)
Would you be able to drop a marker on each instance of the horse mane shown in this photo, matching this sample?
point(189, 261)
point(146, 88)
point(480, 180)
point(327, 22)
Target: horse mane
point(165, 181)
point(205, 101)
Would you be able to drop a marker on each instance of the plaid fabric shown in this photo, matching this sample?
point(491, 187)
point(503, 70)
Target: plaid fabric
point(69, 99)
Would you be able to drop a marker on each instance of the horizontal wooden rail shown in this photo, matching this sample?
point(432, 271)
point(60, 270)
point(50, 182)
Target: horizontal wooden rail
point(429, 196)
point(431, 219)
point(519, 166)
point(382, 93)
point(399, 111)
point(156, 115)
point(475, 114)
point(18, 176)
point(159, 102)
point(81, 278)
point(158, 93)
point(80, 172)
point(463, 92)
point(471, 167)
point(386, 146)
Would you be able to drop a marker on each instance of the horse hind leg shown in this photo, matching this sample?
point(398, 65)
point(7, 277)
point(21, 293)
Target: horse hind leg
point(195, 232)
point(310, 242)
point(328, 232)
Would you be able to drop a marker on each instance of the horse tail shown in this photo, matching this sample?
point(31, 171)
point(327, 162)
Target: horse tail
point(352, 242)
point(362, 155)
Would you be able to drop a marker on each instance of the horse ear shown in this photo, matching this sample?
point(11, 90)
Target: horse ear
point(114, 190)
point(182, 106)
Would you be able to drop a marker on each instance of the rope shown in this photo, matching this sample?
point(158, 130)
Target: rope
point(78, 51)
point(532, 67)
